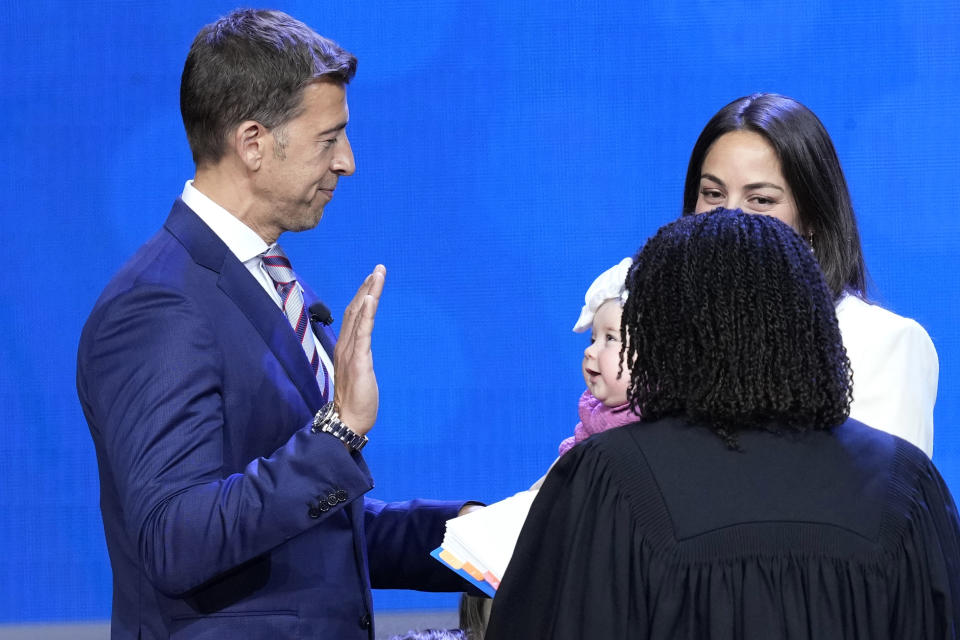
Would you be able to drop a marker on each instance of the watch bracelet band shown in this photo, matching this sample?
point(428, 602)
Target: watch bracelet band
point(327, 420)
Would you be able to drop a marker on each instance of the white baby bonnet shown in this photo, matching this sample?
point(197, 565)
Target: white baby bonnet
point(608, 285)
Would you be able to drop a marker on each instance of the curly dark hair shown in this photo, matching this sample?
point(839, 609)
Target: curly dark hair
point(729, 323)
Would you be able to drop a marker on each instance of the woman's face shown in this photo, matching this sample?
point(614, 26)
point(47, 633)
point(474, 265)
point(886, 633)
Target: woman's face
point(742, 171)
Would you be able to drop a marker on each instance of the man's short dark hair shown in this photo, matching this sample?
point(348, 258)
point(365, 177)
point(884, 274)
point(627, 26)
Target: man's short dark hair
point(252, 65)
point(729, 323)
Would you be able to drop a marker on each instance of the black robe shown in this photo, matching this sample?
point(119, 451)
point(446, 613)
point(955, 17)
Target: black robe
point(661, 531)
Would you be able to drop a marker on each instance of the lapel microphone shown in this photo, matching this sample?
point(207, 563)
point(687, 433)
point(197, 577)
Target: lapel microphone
point(320, 312)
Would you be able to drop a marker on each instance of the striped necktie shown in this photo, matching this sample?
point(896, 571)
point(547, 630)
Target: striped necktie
point(277, 266)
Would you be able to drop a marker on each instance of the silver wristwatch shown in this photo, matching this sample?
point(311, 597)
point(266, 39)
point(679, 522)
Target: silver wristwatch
point(327, 420)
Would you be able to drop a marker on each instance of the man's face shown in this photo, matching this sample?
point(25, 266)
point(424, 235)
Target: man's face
point(309, 154)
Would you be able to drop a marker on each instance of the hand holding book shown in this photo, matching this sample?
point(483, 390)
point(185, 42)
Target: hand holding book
point(478, 545)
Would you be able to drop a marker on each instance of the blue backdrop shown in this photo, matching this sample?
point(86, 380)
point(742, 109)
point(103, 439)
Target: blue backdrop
point(507, 152)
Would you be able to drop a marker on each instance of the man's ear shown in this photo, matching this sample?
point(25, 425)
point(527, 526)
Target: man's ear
point(250, 143)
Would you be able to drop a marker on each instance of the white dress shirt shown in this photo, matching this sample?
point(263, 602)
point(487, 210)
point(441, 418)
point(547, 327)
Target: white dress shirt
point(895, 371)
point(245, 244)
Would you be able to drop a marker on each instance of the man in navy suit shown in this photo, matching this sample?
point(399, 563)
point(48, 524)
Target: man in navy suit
point(232, 486)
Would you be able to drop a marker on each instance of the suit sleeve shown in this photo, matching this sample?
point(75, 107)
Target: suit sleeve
point(150, 377)
point(895, 372)
point(915, 356)
point(400, 537)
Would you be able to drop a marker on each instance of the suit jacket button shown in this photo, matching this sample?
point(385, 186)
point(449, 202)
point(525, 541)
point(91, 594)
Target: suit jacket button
point(365, 622)
point(313, 512)
point(323, 506)
point(342, 495)
point(332, 500)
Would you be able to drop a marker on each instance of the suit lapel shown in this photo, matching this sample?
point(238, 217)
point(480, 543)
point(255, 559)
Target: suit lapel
point(236, 282)
point(270, 322)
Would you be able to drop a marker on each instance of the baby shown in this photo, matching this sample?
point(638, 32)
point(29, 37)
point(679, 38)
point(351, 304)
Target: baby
point(604, 404)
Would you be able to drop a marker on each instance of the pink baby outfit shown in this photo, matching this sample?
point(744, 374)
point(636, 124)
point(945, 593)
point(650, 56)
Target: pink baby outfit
point(596, 417)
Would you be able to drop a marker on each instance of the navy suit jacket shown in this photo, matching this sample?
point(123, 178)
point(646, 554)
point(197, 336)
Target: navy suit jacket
point(225, 516)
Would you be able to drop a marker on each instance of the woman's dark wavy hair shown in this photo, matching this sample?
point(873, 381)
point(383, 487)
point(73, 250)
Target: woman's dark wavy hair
point(810, 166)
point(730, 323)
point(252, 65)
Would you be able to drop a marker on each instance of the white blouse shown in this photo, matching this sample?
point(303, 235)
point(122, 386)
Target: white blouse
point(895, 371)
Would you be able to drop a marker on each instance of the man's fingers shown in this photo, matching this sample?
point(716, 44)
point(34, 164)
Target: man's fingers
point(357, 323)
point(372, 286)
point(350, 312)
point(364, 326)
point(376, 281)
point(356, 392)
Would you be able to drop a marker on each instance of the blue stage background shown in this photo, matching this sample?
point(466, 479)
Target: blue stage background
point(507, 152)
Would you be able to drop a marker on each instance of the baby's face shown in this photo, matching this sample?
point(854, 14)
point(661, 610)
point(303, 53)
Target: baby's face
point(601, 360)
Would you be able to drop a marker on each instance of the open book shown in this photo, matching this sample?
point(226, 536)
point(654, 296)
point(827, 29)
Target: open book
point(478, 545)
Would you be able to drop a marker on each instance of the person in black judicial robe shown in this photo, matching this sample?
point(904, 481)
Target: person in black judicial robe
point(744, 504)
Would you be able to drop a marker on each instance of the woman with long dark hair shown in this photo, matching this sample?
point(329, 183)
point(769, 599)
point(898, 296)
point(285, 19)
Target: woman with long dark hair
point(771, 155)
